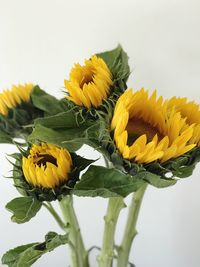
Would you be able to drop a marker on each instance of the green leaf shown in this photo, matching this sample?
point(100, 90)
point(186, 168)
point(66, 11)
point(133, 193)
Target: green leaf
point(26, 255)
point(45, 102)
point(5, 138)
point(80, 162)
point(159, 182)
point(117, 61)
point(23, 208)
point(69, 130)
point(67, 119)
point(100, 181)
point(54, 240)
point(10, 257)
point(70, 138)
point(67, 138)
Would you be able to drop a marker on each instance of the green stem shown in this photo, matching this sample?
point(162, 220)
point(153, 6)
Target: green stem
point(115, 205)
point(50, 208)
point(79, 255)
point(107, 162)
point(130, 230)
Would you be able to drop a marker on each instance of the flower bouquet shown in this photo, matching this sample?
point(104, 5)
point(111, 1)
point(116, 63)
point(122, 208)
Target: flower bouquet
point(144, 139)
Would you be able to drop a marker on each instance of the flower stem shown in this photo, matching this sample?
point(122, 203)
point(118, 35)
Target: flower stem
point(130, 230)
point(115, 205)
point(51, 209)
point(79, 255)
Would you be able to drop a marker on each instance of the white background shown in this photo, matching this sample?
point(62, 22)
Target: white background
point(39, 42)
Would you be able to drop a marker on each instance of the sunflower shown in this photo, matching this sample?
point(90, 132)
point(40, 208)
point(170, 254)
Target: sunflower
point(191, 112)
point(90, 84)
point(11, 98)
point(147, 128)
point(46, 166)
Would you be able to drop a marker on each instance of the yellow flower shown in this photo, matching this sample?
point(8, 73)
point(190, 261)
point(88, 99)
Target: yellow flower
point(191, 112)
point(11, 98)
point(90, 84)
point(46, 166)
point(148, 128)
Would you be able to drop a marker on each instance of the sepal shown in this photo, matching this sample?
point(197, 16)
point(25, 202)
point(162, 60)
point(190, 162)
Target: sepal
point(181, 167)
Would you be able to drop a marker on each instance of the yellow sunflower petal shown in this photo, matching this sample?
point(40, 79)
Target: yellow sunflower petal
point(165, 129)
point(89, 85)
point(46, 166)
point(11, 98)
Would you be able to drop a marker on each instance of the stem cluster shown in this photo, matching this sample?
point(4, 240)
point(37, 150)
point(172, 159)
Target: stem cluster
point(107, 252)
point(79, 255)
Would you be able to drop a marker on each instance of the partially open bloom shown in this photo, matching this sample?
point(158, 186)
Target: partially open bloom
point(147, 128)
point(90, 84)
point(11, 98)
point(46, 166)
point(191, 112)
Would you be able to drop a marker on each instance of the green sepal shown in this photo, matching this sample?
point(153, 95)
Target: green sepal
point(105, 109)
point(181, 167)
point(158, 175)
point(26, 255)
point(117, 61)
point(15, 123)
point(5, 138)
point(48, 194)
point(23, 208)
point(158, 181)
point(104, 182)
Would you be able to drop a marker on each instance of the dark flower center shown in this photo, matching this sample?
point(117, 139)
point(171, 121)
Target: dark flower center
point(86, 80)
point(137, 127)
point(44, 158)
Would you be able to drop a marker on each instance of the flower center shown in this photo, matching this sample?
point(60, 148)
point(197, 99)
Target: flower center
point(44, 158)
point(137, 127)
point(86, 79)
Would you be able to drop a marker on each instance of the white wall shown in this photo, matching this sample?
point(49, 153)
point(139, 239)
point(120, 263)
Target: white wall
point(40, 41)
